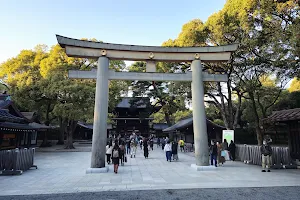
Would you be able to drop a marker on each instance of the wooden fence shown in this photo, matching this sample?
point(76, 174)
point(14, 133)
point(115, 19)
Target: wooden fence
point(16, 161)
point(252, 154)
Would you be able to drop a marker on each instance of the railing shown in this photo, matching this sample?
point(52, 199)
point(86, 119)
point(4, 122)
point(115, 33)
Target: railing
point(16, 161)
point(188, 147)
point(252, 154)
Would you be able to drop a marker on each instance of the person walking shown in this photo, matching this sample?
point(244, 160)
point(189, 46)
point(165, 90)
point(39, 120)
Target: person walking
point(221, 155)
point(181, 144)
point(146, 150)
point(133, 147)
point(225, 145)
point(151, 144)
point(231, 149)
point(122, 152)
point(213, 153)
point(109, 148)
point(158, 142)
point(116, 156)
point(266, 153)
point(128, 145)
point(175, 150)
point(163, 143)
point(168, 150)
point(141, 144)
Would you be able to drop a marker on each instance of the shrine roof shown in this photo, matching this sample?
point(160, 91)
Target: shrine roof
point(284, 115)
point(126, 102)
point(160, 126)
point(6, 116)
point(184, 123)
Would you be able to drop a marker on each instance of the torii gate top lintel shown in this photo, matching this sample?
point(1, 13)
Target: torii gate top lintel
point(90, 49)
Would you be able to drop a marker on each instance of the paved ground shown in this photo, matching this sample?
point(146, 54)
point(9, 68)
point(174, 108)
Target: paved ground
point(64, 172)
point(191, 194)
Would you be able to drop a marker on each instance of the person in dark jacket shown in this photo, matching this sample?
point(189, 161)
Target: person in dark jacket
point(146, 150)
point(232, 150)
point(213, 153)
point(175, 150)
point(266, 153)
point(163, 143)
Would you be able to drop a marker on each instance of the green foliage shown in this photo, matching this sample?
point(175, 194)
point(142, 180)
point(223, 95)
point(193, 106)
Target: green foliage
point(295, 85)
point(219, 122)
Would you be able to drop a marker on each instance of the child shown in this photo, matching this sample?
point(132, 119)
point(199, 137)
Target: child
point(168, 150)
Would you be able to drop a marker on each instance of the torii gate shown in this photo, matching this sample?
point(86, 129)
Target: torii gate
point(151, 54)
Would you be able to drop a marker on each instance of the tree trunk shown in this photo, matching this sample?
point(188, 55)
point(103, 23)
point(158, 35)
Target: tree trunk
point(62, 128)
point(223, 110)
point(45, 142)
point(70, 130)
point(230, 107)
point(238, 113)
point(168, 120)
point(257, 121)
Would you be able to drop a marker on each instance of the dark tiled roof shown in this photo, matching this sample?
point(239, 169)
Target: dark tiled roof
point(6, 116)
point(16, 126)
point(90, 126)
point(160, 126)
point(187, 122)
point(126, 102)
point(284, 115)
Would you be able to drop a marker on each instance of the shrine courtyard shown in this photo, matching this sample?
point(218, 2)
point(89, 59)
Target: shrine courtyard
point(64, 172)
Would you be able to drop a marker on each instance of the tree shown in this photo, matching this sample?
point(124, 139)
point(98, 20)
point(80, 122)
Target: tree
point(295, 85)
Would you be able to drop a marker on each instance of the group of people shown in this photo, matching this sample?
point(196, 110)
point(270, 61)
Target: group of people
point(171, 150)
point(115, 152)
point(220, 152)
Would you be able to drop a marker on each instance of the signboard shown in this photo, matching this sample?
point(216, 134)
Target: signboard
point(228, 135)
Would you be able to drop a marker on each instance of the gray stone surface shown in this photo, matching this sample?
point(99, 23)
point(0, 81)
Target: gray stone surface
point(203, 168)
point(96, 170)
point(100, 115)
point(64, 172)
point(144, 76)
point(65, 41)
point(269, 193)
point(199, 118)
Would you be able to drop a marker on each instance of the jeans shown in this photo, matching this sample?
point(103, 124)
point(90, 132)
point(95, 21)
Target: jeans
point(168, 155)
point(128, 150)
point(213, 158)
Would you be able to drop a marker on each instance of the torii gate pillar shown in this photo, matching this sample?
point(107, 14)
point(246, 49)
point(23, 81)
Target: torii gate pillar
point(199, 118)
point(100, 115)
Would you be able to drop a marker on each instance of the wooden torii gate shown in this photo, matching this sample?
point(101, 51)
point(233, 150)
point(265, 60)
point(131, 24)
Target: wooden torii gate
point(151, 54)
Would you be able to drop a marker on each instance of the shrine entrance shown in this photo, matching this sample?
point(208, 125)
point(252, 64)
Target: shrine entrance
point(150, 54)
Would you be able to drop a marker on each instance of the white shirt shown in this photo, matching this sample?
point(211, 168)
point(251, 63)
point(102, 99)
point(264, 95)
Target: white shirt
point(109, 149)
point(168, 147)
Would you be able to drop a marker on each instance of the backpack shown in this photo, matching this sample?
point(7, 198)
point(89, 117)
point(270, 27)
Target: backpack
point(115, 153)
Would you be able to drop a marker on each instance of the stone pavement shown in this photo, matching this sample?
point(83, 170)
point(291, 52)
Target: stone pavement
point(64, 172)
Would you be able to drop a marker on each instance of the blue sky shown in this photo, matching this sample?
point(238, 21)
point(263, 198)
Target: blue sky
point(24, 24)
